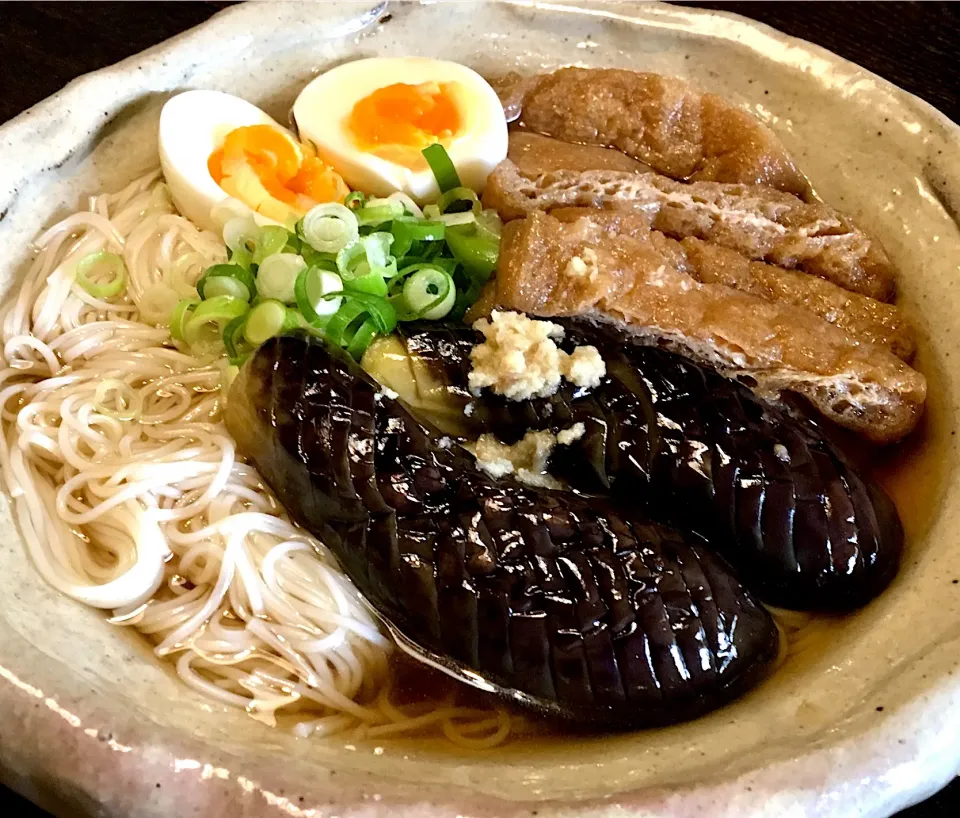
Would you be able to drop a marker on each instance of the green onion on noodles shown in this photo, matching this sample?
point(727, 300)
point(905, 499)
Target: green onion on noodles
point(117, 399)
point(180, 315)
point(203, 329)
point(157, 303)
point(102, 275)
point(227, 279)
point(236, 345)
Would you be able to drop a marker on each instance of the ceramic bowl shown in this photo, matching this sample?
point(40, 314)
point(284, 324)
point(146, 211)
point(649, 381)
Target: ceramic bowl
point(864, 723)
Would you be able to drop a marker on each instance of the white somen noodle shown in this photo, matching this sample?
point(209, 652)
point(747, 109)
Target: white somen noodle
point(131, 497)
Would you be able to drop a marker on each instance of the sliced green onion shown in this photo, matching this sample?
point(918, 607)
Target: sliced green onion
point(372, 251)
point(294, 244)
point(205, 325)
point(180, 315)
point(271, 239)
point(431, 211)
point(457, 219)
point(314, 258)
point(371, 281)
point(355, 200)
point(227, 279)
point(354, 326)
point(430, 293)
point(489, 221)
point(156, 303)
point(329, 227)
point(381, 310)
point(443, 170)
point(242, 257)
point(415, 262)
point(336, 327)
point(476, 251)
point(277, 276)
point(361, 339)
point(420, 229)
point(236, 345)
point(408, 204)
point(458, 200)
point(100, 264)
point(378, 211)
point(377, 248)
point(127, 403)
point(240, 232)
point(311, 287)
point(267, 319)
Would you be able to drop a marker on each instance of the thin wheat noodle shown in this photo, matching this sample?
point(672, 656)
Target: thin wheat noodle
point(130, 496)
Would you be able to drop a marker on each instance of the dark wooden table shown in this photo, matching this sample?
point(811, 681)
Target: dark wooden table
point(44, 45)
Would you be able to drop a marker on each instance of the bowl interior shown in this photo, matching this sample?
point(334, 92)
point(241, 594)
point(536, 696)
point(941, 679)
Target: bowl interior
point(869, 149)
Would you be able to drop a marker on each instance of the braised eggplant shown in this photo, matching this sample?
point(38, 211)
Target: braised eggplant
point(777, 499)
point(560, 602)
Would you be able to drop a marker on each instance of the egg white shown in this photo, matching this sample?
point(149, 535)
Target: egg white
point(324, 105)
point(192, 126)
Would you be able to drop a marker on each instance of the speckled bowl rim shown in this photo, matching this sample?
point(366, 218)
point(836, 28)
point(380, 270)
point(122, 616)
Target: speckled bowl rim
point(884, 764)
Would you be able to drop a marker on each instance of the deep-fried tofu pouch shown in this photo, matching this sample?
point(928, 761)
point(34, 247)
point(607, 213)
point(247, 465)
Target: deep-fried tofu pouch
point(864, 318)
point(633, 278)
point(761, 223)
point(661, 121)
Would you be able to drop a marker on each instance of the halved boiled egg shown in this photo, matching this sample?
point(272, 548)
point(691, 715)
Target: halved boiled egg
point(370, 119)
point(215, 147)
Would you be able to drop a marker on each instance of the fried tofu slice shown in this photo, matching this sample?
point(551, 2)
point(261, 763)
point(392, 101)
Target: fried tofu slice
point(863, 318)
point(632, 279)
point(534, 154)
point(661, 121)
point(761, 223)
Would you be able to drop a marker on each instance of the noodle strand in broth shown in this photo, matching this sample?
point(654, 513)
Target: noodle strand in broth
point(130, 497)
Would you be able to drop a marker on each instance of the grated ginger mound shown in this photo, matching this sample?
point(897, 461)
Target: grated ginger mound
point(520, 359)
point(526, 459)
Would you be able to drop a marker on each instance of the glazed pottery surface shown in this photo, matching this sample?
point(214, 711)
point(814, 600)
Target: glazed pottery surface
point(863, 722)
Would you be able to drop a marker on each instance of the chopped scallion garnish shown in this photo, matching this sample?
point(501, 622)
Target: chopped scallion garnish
point(264, 321)
point(329, 228)
point(429, 293)
point(181, 313)
point(271, 239)
point(313, 284)
point(227, 279)
point(348, 271)
point(102, 275)
point(204, 327)
point(277, 276)
point(443, 170)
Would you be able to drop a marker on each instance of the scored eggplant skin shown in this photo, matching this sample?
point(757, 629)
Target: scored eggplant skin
point(555, 600)
point(700, 451)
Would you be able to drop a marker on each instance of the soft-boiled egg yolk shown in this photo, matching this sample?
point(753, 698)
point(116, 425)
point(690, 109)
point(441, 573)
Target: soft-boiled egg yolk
point(214, 146)
point(370, 119)
point(398, 121)
point(262, 166)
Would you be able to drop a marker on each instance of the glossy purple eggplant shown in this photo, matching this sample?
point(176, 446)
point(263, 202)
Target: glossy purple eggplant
point(769, 491)
point(554, 600)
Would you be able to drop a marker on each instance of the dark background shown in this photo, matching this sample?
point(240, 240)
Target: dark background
point(45, 45)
